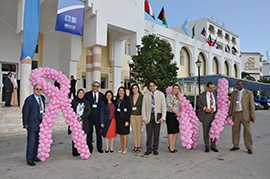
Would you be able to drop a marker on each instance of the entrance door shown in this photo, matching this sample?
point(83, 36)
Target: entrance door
point(5, 68)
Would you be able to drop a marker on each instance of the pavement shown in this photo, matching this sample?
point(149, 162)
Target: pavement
point(185, 164)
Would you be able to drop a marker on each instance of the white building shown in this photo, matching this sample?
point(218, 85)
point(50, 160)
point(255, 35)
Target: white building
point(112, 29)
point(266, 68)
point(252, 63)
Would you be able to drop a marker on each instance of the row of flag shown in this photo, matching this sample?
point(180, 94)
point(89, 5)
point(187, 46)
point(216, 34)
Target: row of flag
point(161, 16)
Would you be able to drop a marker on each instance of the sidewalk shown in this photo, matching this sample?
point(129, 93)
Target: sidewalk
point(184, 164)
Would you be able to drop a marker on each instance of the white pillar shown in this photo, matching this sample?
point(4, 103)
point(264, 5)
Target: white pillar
point(116, 78)
point(89, 61)
point(25, 84)
point(96, 69)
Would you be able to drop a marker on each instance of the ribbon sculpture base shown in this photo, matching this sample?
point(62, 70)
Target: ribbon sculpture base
point(58, 99)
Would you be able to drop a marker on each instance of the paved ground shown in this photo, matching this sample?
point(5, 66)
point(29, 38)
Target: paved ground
point(184, 164)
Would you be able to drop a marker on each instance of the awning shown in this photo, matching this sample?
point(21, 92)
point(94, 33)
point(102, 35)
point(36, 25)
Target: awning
point(251, 85)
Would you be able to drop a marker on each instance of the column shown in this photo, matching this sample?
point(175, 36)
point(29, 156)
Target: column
point(116, 78)
point(96, 69)
point(25, 84)
point(89, 75)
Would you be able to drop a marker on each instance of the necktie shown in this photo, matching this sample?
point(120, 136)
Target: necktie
point(211, 103)
point(40, 108)
point(153, 102)
point(238, 99)
point(95, 97)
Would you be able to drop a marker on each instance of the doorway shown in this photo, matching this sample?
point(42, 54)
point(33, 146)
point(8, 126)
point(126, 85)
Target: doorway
point(5, 68)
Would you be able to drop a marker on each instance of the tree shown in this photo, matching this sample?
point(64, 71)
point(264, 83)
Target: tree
point(154, 62)
point(247, 76)
point(264, 80)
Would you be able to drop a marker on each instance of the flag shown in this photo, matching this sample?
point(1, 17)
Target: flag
point(161, 16)
point(185, 27)
point(227, 48)
point(193, 31)
point(233, 47)
point(203, 32)
point(208, 41)
point(30, 28)
point(148, 9)
point(210, 38)
point(214, 43)
point(70, 15)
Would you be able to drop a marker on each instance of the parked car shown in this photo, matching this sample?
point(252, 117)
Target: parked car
point(258, 106)
point(264, 101)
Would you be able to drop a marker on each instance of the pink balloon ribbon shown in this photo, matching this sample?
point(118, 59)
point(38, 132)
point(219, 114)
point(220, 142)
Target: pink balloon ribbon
point(58, 99)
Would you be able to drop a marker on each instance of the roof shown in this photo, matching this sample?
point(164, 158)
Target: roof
point(251, 85)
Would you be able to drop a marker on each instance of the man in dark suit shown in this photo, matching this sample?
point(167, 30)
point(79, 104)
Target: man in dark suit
point(73, 87)
point(8, 87)
point(95, 98)
point(207, 109)
point(33, 110)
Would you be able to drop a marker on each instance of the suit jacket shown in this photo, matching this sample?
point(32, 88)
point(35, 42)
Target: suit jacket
point(202, 102)
point(72, 85)
point(160, 106)
point(125, 109)
point(8, 85)
point(105, 109)
point(86, 113)
point(98, 115)
point(31, 112)
point(247, 102)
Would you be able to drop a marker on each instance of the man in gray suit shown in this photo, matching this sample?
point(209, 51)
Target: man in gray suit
point(207, 109)
point(8, 86)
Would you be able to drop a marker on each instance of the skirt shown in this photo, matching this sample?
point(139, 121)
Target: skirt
point(121, 129)
point(172, 123)
point(109, 130)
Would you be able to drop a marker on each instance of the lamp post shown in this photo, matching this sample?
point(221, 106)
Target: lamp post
point(198, 64)
point(130, 63)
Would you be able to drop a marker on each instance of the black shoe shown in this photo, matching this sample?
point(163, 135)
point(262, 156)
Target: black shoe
point(100, 150)
point(111, 151)
point(75, 155)
point(175, 150)
point(91, 150)
point(37, 160)
point(148, 152)
point(214, 149)
point(155, 152)
point(31, 164)
point(250, 151)
point(234, 149)
point(171, 151)
point(106, 151)
point(206, 149)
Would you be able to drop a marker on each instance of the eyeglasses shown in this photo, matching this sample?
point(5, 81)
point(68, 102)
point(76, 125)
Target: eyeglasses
point(38, 89)
point(96, 86)
point(152, 85)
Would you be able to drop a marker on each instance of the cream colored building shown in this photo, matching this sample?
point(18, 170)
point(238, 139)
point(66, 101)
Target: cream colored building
point(112, 29)
point(252, 63)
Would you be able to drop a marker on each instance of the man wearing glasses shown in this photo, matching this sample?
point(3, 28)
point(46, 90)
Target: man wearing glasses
point(33, 110)
point(95, 98)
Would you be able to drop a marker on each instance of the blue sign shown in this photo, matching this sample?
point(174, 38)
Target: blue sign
point(70, 15)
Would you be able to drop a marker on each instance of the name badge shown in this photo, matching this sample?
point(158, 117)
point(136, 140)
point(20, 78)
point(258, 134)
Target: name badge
point(41, 112)
point(125, 109)
point(153, 106)
point(134, 108)
point(237, 102)
point(118, 110)
point(94, 105)
point(213, 106)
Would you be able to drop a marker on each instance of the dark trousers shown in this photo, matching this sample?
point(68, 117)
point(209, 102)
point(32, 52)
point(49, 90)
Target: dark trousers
point(8, 98)
point(95, 123)
point(206, 129)
point(152, 128)
point(69, 94)
point(74, 150)
point(32, 146)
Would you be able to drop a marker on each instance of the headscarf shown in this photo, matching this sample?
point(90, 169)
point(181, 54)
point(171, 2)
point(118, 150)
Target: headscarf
point(14, 79)
point(78, 99)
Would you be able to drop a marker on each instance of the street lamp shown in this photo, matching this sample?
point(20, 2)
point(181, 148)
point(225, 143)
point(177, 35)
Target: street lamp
point(130, 63)
point(198, 64)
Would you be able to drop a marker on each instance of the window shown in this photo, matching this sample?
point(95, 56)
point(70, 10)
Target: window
point(104, 83)
point(227, 37)
point(34, 64)
point(233, 40)
point(182, 58)
point(9, 67)
point(211, 29)
point(219, 33)
point(127, 49)
point(84, 81)
point(219, 45)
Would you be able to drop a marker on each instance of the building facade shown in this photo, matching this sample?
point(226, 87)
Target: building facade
point(252, 63)
point(112, 29)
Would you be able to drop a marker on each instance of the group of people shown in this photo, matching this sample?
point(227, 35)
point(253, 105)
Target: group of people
point(112, 116)
point(10, 88)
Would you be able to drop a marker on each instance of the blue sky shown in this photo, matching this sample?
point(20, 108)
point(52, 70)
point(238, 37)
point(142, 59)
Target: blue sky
point(249, 19)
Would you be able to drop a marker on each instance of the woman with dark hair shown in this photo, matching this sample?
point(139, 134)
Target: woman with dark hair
point(122, 114)
point(82, 109)
point(109, 129)
point(136, 99)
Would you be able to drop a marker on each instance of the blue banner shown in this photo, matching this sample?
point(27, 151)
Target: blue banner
point(30, 28)
point(70, 16)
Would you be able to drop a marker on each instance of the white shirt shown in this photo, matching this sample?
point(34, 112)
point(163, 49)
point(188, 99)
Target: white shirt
point(96, 96)
point(239, 98)
point(208, 100)
point(40, 100)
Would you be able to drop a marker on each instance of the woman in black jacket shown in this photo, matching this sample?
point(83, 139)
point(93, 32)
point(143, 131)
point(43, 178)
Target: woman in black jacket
point(122, 113)
point(82, 109)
